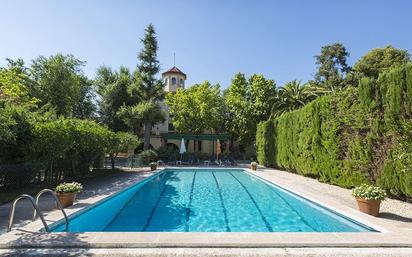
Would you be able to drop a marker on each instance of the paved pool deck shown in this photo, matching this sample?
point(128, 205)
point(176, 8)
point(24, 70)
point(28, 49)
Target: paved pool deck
point(395, 224)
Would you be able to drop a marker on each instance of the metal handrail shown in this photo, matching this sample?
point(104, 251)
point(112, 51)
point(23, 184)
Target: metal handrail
point(11, 217)
point(57, 202)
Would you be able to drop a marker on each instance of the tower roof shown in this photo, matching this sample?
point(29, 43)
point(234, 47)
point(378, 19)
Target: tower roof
point(175, 70)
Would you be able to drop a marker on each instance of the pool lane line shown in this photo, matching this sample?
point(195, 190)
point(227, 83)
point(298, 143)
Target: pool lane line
point(152, 212)
point(127, 203)
point(222, 203)
point(290, 206)
point(189, 204)
point(255, 203)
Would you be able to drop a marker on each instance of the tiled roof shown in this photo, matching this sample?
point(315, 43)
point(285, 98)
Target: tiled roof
point(174, 69)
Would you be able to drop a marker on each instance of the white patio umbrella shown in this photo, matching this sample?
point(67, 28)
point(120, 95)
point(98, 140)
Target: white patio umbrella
point(182, 148)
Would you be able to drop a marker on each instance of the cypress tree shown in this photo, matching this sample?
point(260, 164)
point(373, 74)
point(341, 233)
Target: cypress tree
point(150, 89)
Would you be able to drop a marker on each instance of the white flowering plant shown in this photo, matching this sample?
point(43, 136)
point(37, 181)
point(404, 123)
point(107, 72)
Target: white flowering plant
point(369, 192)
point(73, 187)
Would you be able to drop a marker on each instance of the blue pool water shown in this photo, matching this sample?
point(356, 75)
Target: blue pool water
point(208, 200)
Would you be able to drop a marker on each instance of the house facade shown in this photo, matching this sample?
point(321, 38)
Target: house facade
point(164, 134)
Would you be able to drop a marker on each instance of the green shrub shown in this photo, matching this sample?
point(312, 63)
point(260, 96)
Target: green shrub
point(14, 176)
point(70, 145)
point(16, 134)
point(166, 151)
point(148, 156)
point(121, 142)
point(397, 170)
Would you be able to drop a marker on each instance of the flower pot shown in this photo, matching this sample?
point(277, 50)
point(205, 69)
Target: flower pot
point(253, 167)
point(370, 207)
point(66, 199)
point(153, 167)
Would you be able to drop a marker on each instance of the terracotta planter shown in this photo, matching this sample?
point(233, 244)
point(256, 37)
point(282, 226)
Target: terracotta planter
point(153, 167)
point(370, 207)
point(66, 199)
point(253, 167)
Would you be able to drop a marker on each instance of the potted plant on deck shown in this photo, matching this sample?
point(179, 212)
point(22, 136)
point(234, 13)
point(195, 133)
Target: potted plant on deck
point(66, 192)
point(153, 166)
point(253, 165)
point(369, 198)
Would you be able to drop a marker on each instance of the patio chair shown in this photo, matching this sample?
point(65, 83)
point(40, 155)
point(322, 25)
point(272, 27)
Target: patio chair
point(214, 161)
point(185, 160)
point(172, 160)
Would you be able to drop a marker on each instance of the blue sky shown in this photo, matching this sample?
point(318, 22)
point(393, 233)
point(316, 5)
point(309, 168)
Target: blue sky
point(212, 39)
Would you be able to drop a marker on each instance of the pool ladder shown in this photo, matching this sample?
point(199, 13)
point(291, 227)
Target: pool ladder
point(35, 204)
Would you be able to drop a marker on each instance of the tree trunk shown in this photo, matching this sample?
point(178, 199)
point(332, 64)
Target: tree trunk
point(112, 160)
point(73, 175)
point(147, 128)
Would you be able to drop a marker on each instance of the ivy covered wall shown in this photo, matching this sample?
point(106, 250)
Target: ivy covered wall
point(361, 134)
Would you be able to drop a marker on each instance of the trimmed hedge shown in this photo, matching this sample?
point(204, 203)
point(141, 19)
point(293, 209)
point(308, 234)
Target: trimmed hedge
point(265, 143)
point(359, 135)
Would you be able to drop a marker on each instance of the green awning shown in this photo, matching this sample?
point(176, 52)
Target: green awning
point(210, 137)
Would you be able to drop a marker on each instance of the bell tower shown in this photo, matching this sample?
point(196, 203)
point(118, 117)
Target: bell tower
point(173, 79)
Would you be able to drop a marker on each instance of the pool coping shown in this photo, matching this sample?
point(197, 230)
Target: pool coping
point(29, 236)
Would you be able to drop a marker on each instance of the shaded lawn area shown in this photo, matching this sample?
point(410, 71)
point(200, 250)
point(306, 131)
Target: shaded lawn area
point(33, 189)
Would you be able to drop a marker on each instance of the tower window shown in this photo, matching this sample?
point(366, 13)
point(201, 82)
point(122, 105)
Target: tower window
point(174, 82)
point(171, 128)
point(166, 81)
point(181, 82)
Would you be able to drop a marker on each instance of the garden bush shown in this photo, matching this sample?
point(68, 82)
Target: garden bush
point(359, 135)
point(166, 152)
point(121, 142)
point(16, 169)
point(38, 149)
point(148, 156)
point(69, 146)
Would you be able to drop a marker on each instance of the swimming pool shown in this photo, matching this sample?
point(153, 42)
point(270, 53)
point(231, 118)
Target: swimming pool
point(208, 200)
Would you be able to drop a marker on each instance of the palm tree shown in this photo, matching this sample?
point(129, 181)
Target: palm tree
point(294, 95)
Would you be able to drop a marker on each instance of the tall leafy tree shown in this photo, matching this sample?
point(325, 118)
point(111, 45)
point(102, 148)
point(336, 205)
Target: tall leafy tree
point(238, 120)
point(379, 60)
point(248, 102)
point(14, 82)
point(15, 106)
point(262, 93)
point(113, 88)
point(7, 135)
point(196, 109)
point(59, 83)
point(332, 67)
